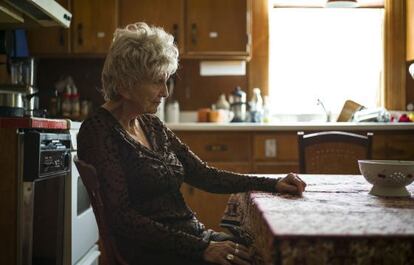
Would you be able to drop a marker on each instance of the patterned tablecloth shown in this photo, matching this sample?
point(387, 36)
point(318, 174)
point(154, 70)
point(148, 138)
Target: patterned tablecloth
point(336, 221)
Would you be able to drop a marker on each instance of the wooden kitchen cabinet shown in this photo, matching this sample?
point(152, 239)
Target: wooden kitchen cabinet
point(167, 14)
point(91, 30)
point(202, 28)
point(8, 195)
point(217, 27)
point(410, 29)
point(93, 24)
point(206, 29)
point(393, 146)
point(50, 40)
point(266, 153)
point(224, 150)
point(209, 207)
point(276, 147)
point(275, 153)
point(219, 146)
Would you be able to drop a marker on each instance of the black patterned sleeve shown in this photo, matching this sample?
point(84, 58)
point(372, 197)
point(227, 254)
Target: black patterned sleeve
point(97, 147)
point(202, 176)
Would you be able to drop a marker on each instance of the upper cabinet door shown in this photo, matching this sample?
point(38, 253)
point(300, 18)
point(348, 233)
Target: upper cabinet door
point(167, 14)
point(410, 30)
point(218, 27)
point(93, 25)
point(56, 38)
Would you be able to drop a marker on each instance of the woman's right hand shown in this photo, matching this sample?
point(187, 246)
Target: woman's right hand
point(227, 253)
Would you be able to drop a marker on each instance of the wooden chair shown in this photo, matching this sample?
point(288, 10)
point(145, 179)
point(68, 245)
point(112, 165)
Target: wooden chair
point(90, 180)
point(332, 152)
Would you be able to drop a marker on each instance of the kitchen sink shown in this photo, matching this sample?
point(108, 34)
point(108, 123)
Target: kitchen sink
point(300, 118)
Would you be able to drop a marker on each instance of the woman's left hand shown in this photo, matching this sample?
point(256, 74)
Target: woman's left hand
point(292, 183)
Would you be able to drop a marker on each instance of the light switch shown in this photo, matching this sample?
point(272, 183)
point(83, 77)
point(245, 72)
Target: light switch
point(270, 148)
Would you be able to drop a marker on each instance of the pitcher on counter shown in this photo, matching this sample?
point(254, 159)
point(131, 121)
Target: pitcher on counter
point(141, 164)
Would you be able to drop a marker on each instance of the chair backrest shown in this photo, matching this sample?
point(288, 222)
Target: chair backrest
point(89, 178)
point(332, 152)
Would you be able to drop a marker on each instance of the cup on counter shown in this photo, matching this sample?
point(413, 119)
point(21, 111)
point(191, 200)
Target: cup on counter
point(220, 116)
point(203, 115)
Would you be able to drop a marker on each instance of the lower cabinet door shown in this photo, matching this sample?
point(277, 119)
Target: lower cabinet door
point(209, 207)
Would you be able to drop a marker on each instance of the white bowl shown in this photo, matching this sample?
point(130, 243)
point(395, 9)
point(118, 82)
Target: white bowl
point(389, 177)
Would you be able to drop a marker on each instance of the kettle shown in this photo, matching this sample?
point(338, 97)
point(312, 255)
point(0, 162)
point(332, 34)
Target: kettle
point(23, 76)
point(20, 98)
point(237, 99)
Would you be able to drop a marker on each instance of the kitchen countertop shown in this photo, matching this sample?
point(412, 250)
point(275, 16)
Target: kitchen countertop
point(32, 122)
point(290, 126)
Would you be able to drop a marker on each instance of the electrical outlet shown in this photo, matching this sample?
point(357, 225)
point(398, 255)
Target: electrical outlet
point(270, 148)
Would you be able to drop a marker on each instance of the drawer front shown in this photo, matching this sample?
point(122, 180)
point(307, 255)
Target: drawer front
point(276, 146)
point(400, 147)
point(379, 146)
point(243, 168)
point(276, 168)
point(388, 145)
point(218, 146)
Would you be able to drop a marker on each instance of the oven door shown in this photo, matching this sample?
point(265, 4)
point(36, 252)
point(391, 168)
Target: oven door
point(84, 228)
point(91, 257)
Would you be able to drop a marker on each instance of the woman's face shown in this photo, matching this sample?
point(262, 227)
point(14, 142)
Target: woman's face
point(146, 97)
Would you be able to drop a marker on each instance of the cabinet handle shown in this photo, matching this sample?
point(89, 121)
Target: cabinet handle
point(80, 33)
point(216, 147)
point(175, 33)
point(61, 37)
point(194, 34)
point(249, 41)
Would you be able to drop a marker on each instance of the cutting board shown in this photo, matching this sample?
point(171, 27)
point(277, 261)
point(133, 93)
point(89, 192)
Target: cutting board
point(348, 110)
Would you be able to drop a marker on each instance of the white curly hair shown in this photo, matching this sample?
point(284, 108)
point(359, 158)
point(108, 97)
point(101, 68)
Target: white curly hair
point(138, 53)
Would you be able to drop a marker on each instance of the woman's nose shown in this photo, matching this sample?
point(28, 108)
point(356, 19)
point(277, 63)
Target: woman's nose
point(164, 91)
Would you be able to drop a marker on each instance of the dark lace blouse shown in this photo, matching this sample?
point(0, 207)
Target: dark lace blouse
point(141, 186)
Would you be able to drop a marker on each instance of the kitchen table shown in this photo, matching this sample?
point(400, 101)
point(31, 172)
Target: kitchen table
point(336, 221)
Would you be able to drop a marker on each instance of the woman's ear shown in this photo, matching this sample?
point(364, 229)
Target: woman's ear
point(123, 92)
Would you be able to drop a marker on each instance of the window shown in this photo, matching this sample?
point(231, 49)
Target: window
point(327, 54)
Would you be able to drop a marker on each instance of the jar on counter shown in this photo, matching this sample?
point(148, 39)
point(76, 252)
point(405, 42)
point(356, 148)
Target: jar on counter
point(67, 102)
point(85, 109)
point(172, 113)
point(75, 114)
point(222, 102)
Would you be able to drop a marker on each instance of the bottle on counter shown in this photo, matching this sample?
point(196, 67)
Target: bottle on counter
point(67, 102)
point(222, 103)
point(256, 106)
point(237, 100)
point(172, 113)
point(75, 104)
point(86, 108)
point(55, 105)
point(266, 110)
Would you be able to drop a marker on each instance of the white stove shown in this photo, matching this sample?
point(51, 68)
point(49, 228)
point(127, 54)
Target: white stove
point(84, 230)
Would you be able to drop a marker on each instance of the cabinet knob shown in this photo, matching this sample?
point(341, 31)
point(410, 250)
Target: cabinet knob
point(176, 33)
point(61, 37)
point(194, 34)
point(100, 34)
point(80, 33)
point(216, 147)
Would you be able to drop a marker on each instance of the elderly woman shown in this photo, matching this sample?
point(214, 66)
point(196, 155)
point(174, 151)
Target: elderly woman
point(141, 164)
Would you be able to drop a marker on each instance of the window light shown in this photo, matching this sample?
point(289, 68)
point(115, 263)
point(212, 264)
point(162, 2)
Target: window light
point(342, 3)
